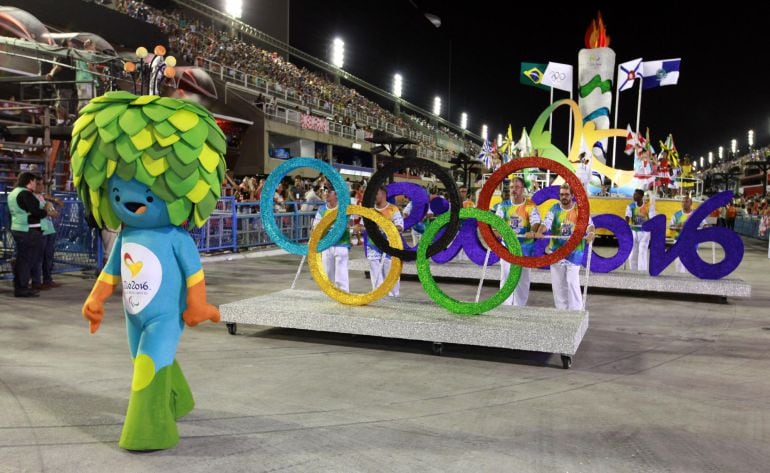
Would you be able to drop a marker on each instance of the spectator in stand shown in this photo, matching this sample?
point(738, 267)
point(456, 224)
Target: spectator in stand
point(84, 76)
point(66, 95)
point(465, 198)
point(731, 213)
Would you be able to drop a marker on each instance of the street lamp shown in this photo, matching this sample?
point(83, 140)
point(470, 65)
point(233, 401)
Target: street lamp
point(464, 121)
point(721, 152)
point(397, 85)
point(701, 161)
point(734, 146)
point(437, 106)
point(751, 139)
point(234, 8)
point(499, 140)
point(711, 158)
point(153, 73)
point(484, 132)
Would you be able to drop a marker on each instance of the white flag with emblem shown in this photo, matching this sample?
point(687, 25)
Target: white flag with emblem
point(558, 76)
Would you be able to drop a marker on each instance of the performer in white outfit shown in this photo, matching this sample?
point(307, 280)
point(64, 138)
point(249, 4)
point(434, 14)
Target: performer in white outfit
point(335, 258)
point(379, 263)
point(638, 212)
point(677, 222)
point(522, 215)
point(565, 274)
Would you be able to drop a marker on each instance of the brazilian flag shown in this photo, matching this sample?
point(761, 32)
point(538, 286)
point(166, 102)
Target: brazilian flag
point(532, 74)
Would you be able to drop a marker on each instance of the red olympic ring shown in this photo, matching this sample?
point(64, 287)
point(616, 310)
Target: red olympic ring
point(577, 191)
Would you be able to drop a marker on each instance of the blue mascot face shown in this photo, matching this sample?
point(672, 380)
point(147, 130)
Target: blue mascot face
point(136, 205)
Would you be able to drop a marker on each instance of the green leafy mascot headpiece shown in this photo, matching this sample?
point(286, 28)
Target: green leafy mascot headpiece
point(172, 146)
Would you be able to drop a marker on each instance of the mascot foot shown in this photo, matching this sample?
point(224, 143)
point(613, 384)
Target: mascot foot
point(150, 420)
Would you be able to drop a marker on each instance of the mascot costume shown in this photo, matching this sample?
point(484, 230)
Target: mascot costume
point(150, 164)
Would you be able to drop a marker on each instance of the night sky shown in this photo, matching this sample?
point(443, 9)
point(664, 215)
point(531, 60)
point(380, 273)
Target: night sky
point(722, 92)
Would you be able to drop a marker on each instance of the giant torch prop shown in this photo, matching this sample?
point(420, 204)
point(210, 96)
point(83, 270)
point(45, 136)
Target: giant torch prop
point(596, 65)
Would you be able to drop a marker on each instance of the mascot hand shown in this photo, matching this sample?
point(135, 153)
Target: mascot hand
point(93, 311)
point(198, 313)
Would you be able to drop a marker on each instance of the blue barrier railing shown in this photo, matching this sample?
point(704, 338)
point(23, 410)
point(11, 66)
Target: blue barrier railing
point(749, 226)
point(233, 226)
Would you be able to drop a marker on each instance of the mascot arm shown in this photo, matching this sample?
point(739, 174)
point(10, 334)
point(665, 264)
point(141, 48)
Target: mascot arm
point(93, 309)
point(198, 310)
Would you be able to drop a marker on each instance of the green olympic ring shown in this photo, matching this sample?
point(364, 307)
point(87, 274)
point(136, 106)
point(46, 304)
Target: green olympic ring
point(429, 284)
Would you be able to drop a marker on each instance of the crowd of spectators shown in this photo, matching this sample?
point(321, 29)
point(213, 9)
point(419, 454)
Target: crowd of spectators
point(191, 40)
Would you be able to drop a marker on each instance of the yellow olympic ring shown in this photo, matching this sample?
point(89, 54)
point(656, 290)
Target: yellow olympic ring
point(322, 279)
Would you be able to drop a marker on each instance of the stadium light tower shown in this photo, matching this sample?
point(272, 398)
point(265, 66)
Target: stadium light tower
point(751, 139)
point(499, 140)
point(338, 57)
point(398, 83)
point(464, 121)
point(437, 106)
point(733, 147)
point(338, 53)
point(701, 161)
point(711, 158)
point(484, 132)
point(721, 151)
point(234, 8)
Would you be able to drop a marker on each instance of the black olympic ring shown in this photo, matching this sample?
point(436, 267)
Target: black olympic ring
point(380, 177)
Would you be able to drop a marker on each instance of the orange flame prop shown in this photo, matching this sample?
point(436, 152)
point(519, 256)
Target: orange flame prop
point(596, 34)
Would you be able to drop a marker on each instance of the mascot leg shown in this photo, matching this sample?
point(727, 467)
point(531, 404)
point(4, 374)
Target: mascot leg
point(159, 392)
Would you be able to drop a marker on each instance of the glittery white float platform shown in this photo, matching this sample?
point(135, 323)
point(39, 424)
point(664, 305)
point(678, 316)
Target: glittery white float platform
point(529, 328)
point(628, 280)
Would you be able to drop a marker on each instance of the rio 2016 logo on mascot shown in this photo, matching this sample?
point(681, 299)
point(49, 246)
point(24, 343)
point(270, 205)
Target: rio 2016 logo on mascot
point(150, 164)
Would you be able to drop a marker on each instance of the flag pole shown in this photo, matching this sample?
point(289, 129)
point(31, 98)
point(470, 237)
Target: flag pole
point(550, 117)
point(639, 104)
point(569, 127)
point(615, 125)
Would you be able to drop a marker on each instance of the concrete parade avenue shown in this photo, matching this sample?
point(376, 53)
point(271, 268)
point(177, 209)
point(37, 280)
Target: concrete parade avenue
point(658, 384)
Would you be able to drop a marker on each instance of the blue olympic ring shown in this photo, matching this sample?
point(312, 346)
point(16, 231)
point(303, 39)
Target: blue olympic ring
point(268, 216)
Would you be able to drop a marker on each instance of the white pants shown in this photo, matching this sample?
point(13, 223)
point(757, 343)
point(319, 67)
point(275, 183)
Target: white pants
point(521, 293)
point(565, 281)
point(335, 261)
point(378, 269)
point(640, 253)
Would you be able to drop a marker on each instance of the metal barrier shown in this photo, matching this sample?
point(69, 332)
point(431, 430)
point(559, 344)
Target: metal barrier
point(749, 226)
point(77, 248)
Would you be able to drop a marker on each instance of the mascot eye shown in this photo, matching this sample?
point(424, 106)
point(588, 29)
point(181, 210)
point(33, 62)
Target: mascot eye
point(117, 198)
point(150, 199)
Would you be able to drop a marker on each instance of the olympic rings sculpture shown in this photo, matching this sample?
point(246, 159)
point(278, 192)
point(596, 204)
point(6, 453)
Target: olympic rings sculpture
point(429, 245)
